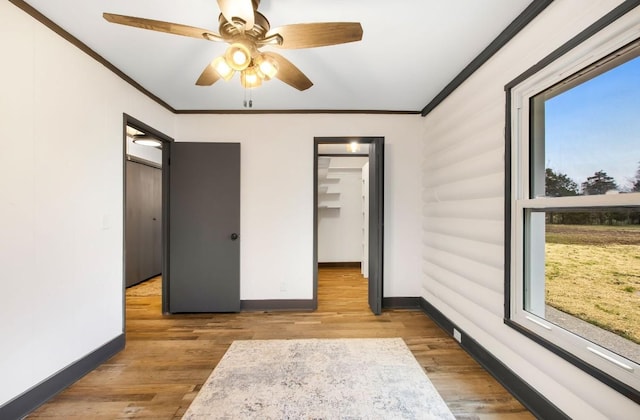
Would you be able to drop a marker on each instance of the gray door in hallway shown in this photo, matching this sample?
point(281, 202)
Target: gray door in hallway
point(143, 233)
point(204, 227)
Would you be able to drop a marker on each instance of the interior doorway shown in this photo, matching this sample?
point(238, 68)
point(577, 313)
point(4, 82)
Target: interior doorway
point(348, 209)
point(145, 157)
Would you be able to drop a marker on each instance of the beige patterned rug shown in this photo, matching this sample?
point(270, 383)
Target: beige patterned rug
point(318, 379)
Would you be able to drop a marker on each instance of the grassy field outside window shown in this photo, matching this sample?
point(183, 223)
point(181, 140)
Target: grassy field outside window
point(592, 272)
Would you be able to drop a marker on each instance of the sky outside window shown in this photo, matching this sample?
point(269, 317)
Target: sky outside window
point(596, 126)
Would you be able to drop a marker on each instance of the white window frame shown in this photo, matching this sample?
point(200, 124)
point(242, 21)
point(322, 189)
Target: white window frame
point(589, 356)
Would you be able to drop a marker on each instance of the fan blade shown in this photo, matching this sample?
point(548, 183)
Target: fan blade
point(160, 26)
point(289, 73)
point(242, 9)
point(208, 77)
point(309, 35)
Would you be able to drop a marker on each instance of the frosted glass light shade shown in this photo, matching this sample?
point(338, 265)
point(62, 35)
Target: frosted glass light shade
point(249, 78)
point(223, 69)
point(145, 140)
point(267, 67)
point(238, 56)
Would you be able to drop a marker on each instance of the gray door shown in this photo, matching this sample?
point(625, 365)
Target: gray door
point(143, 243)
point(376, 223)
point(204, 227)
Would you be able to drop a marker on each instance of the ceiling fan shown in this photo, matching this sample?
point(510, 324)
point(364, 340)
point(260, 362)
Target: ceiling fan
point(247, 30)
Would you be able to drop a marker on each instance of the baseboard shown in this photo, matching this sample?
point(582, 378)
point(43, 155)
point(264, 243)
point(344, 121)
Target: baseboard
point(535, 402)
point(345, 264)
point(41, 393)
point(277, 305)
point(401, 303)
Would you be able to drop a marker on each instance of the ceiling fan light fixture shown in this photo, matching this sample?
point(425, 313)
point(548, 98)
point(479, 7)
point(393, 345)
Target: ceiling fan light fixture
point(266, 66)
point(238, 56)
point(223, 69)
point(246, 30)
point(249, 78)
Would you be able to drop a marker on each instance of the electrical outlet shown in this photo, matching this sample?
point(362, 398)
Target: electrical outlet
point(283, 286)
point(457, 335)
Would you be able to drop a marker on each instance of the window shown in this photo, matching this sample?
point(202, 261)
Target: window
point(573, 206)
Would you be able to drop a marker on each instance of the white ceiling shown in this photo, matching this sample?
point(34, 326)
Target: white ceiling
point(411, 49)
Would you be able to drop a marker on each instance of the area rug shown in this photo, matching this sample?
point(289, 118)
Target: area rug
point(318, 379)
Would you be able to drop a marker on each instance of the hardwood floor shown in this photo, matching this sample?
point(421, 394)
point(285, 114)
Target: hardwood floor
point(168, 358)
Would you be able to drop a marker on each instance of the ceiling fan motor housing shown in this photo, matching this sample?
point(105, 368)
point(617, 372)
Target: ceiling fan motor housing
point(235, 31)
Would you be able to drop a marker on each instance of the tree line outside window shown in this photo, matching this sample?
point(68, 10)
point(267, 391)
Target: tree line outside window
point(558, 184)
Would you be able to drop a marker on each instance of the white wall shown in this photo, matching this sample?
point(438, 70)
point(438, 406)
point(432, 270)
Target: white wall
point(463, 181)
point(60, 200)
point(277, 195)
point(340, 230)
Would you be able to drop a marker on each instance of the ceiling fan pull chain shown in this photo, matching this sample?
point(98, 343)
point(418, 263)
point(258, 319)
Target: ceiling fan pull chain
point(249, 103)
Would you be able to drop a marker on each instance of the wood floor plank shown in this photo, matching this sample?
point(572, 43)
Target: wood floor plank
point(168, 358)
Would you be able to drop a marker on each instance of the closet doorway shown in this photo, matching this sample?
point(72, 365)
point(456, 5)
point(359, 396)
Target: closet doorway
point(143, 198)
point(145, 152)
point(348, 209)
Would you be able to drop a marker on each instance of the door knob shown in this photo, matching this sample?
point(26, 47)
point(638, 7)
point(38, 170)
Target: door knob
point(234, 236)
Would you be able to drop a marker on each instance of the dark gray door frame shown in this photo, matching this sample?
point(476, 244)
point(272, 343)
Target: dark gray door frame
point(166, 148)
point(376, 215)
